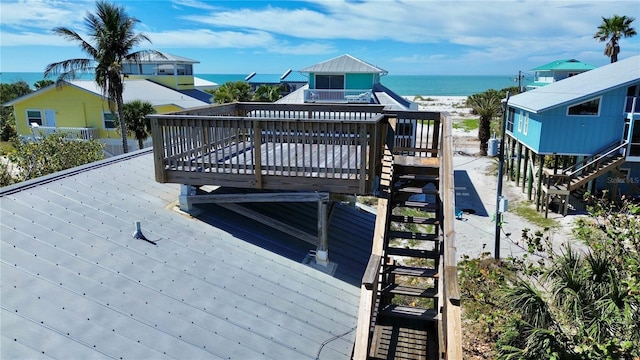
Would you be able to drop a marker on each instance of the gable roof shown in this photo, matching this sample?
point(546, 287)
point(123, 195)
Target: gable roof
point(76, 284)
point(168, 58)
point(579, 87)
point(344, 64)
point(566, 65)
point(133, 90)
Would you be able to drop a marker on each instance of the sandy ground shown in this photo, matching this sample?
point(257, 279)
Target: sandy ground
point(476, 191)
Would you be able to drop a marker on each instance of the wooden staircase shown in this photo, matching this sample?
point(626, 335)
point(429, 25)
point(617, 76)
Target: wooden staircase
point(408, 309)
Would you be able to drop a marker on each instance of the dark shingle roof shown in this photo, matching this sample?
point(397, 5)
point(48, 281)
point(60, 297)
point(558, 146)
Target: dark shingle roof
point(76, 284)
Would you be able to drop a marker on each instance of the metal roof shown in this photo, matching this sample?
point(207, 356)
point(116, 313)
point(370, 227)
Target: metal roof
point(579, 87)
point(77, 285)
point(168, 58)
point(146, 90)
point(567, 65)
point(343, 64)
point(255, 78)
point(294, 76)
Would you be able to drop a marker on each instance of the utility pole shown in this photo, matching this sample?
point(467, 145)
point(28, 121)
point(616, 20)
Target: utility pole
point(499, 199)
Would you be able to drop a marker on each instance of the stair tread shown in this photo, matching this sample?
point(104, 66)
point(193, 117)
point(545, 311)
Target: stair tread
point(413, 236)
point(410, 312)
point(400, 270)
point(416, 253)
point(417, 205)
point(408, 290)
point(421, 177)
point(417, 190)
point(414, 220)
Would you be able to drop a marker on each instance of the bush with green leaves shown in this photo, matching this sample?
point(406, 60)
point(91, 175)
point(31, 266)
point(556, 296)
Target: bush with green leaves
point(576, 301)
point(53, 153)
point(231, 92)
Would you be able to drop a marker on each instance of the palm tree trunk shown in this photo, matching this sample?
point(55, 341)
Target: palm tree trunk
point(123, 128)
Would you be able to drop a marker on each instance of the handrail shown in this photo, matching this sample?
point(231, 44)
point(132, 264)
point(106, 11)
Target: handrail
point(590, 160)
point(451, 336)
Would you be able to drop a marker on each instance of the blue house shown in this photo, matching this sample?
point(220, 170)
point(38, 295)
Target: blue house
point(346, 79)
point(588, 128)
point(556, 71)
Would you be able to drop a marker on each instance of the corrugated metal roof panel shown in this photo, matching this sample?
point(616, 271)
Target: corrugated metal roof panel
point(579, 87)
point(76, 284)
point(571, 64)
point(147, 91)
point(343, 64)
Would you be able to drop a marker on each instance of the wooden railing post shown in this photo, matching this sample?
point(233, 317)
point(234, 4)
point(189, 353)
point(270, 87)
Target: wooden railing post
point(257, 148)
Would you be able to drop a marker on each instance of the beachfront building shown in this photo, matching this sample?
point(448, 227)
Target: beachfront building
point(556, 71)
point(579, 134)
point(79, 108)
point(346, 80)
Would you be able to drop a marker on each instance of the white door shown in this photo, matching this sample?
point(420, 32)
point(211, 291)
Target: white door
point(50, 117)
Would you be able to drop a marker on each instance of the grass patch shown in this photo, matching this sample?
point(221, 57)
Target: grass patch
point(466, 124)
point(524, 210)
point(6, 147)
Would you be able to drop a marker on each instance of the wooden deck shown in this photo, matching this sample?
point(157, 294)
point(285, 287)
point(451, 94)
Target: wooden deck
point(403, 157)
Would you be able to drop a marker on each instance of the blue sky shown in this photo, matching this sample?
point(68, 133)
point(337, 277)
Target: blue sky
point(403, 37)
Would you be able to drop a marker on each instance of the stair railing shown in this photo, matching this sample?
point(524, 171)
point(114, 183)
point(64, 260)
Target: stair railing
point(589, 161)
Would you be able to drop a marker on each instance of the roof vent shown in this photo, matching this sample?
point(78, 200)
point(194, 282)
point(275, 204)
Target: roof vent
point(140, 236)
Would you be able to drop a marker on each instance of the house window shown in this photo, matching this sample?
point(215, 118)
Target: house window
point(185, 69)
point(511, 115)
point(589, 108)
point(329, 81)
point(520, 118)
point(109, 120)
point(525, 129)
point(34, 117)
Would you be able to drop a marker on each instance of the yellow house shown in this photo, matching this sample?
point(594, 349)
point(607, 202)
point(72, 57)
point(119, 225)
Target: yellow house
point(79, 108)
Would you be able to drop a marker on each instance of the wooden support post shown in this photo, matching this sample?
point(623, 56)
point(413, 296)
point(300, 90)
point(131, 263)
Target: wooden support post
point(530, 178)
point(525, 168)
point(513, 143)
point(519, 163)
point(322, 253)
point(539, 185)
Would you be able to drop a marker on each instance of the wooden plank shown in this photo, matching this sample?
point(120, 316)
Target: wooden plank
point(266, 220)
point(258, 198)
point(372, 271)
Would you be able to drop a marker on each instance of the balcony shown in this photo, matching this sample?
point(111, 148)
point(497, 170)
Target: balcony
point(71, 133)
point(345, 96)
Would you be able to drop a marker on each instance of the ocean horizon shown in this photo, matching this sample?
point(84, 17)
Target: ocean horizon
point(404, 85)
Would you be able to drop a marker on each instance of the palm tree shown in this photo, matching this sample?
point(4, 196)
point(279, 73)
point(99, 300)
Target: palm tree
point(487, 105)
point(112, 31)
point(613, 29)
point(135, 120)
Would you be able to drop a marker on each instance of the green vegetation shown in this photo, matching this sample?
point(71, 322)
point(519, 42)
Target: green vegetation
point(561, 302)
point(9, 92)
point(231, 92)
point(525, 210)
point(135, 121)
point(268, 93)
point(466, 124)
point(51, 154)
point(613, 29)
point(112, 32)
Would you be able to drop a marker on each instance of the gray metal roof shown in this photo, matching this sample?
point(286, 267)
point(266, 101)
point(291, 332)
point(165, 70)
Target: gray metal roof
point(579, 87)
point(343, 64)
point(166, 58)
point(145, 90)
point(77, 285)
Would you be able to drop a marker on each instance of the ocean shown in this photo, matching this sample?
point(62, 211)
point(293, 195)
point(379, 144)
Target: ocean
point(404, 85)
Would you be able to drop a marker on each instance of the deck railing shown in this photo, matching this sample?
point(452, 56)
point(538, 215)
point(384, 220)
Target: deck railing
point(72, 133)
point(357, 96)
point(268, 146)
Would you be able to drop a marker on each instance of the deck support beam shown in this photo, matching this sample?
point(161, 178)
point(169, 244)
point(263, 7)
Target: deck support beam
point(322, 253)
point(186, 192)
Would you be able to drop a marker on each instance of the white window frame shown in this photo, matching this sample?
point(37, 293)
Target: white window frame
point(525, 128)
point(520, 117)
point(104, 120)
point(599, 98)
point(29, 122)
